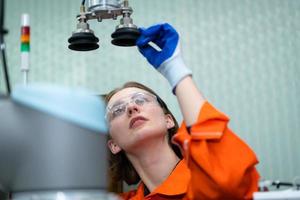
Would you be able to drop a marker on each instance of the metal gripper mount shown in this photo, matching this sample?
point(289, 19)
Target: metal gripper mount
point(125, 34)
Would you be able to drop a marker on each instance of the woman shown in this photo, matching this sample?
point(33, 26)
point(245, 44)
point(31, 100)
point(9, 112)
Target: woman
point(214, 163)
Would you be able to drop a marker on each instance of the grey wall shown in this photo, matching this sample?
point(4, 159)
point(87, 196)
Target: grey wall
point(244, 55)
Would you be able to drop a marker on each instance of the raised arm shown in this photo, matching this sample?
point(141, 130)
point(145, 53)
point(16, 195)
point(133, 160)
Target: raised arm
point(190, 100)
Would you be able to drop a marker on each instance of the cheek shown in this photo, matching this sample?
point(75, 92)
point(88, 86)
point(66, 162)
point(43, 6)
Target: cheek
point(158, 118)
point(116, 130)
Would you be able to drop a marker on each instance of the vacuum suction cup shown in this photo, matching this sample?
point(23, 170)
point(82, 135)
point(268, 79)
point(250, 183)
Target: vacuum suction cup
point(83, 41)
point(125, 37)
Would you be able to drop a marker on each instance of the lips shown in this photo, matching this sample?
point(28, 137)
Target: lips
point(135, 120)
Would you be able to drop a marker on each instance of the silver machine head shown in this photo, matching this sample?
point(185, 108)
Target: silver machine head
point(126, 33)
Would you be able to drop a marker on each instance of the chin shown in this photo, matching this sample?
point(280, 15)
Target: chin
point(147, 133)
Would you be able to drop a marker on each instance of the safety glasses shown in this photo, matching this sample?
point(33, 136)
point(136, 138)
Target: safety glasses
point(120, 106)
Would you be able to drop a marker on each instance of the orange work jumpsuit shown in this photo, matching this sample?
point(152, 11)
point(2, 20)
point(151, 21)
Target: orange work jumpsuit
point(216, 165)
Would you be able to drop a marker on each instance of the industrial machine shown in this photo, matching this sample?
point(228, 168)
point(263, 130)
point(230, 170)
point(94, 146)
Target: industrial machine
point(53, 144)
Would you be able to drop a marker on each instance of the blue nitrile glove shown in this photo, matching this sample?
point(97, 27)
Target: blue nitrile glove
point(168, 61)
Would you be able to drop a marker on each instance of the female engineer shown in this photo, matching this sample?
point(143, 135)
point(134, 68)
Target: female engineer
point(203, 159)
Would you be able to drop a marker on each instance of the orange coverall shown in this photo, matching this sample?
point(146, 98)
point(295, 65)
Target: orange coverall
point(216, 165)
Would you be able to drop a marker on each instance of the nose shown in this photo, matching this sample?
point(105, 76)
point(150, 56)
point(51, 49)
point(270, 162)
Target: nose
point(132, 108)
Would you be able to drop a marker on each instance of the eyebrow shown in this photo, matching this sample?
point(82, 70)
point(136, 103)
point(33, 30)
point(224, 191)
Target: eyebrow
point(117, 103)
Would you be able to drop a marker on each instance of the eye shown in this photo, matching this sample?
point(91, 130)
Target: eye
point(140, 99)
point(118, 110)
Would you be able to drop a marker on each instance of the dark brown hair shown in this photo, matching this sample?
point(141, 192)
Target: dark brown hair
point(120, 168)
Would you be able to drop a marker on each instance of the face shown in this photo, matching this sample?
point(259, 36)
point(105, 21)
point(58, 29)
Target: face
point(135, 117)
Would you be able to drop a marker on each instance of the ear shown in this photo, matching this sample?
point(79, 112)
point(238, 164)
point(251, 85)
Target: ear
point(114, 148)
point(169, 120)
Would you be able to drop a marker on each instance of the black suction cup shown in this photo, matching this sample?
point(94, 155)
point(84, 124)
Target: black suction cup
point(83, 41)
point(125, 37)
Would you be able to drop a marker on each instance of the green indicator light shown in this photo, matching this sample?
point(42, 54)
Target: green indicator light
point(25, 47)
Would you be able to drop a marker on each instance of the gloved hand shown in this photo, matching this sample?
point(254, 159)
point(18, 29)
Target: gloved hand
point(168, 61)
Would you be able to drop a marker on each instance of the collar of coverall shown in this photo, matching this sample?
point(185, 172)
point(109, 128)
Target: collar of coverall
point(175, 184)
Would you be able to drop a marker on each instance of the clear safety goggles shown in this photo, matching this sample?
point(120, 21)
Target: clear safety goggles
point(120, 106)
